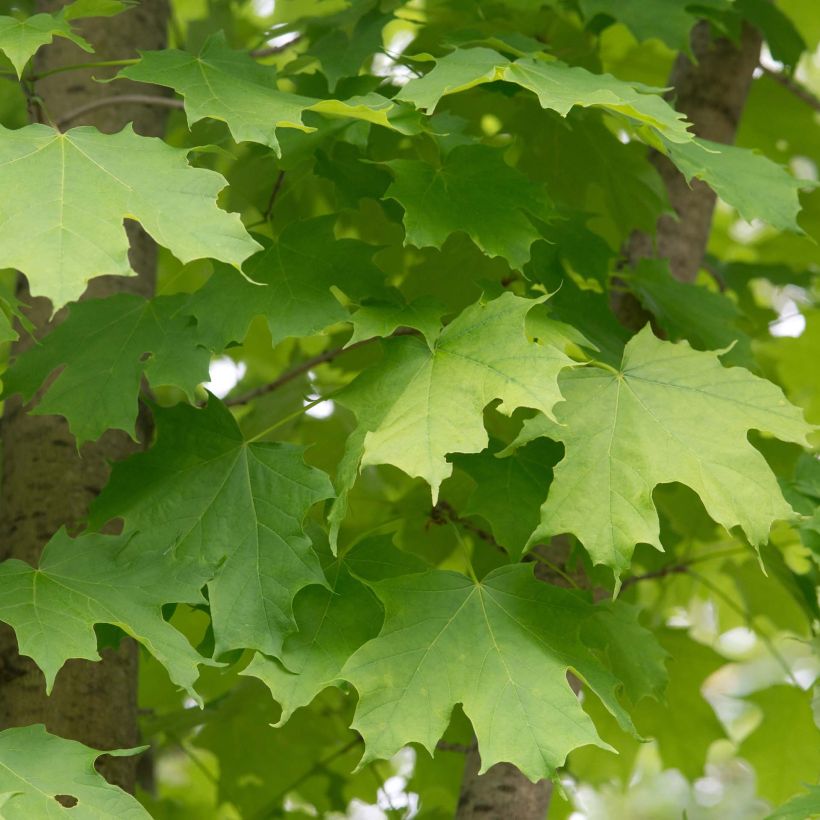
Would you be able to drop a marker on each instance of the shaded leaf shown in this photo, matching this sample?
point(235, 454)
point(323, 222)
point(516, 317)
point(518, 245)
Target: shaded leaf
point(236, 504)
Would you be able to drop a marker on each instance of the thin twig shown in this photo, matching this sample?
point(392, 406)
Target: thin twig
point(120, 99)
point(277, 186)
point(309, 364)
point(799, 91)
point(271, 809)
point(663, 572)
point(459, 748)
point(444, 513)
point(269, 51)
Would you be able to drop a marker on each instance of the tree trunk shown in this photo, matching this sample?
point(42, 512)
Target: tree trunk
point(46, 483)
point(712, 93)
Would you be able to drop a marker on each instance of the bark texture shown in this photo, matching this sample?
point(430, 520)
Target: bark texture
point(711, 92)
point(46, 483)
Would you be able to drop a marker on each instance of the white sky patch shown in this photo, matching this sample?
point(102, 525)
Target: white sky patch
point(264, 8)
point(385, 65)
point(323, 410)
point(225, 374)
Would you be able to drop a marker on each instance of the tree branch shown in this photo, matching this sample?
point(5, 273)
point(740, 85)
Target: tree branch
point(309, 364)
point(789, 83)
point(120, 99)
point(269, 51)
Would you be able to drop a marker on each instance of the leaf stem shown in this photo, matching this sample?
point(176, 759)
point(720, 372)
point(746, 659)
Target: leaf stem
point(79, 66)
point(120, 99)
point(605, 366)
point(290, 417)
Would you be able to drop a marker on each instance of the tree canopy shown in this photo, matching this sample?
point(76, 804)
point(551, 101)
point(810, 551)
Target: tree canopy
point(470, 405)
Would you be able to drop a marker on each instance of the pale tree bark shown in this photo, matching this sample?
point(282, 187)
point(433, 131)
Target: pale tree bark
point(712, 93)
point(46, 483)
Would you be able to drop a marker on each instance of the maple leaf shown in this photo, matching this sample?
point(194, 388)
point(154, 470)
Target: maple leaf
point(292, 282)
point(559, 87)
point(333, 622)
point(509, 491)
point(97, 180)
point(670, 413)
point(418, 404)
point(20, 39)
point(737, 176)
point(236, 504)
point(501, 648)
point(473, 191)
point(229, 85)
point(104, 345)
point(38, 767)
point(79, 583)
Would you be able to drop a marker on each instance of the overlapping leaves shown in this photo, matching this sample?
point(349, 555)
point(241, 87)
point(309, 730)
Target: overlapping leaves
point(501, 648)
point(669, 413)
point(106, 346)
point(238, 505)
point(97, 180)
point(405, 405)
point(79, 583)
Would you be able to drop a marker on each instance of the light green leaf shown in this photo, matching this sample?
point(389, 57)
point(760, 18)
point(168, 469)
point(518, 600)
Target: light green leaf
point(506, 644)
point(96, 181)
point(333, 622)
point(417, 405)
point(20, 39)
point(383, 318)
point(669, 414)
point(785, 711)
point(292, 287)
point(559, 87)
point(738, 175)
point(230, 86)
point(80, 582)
point(97, 8)
point(237, 505)
point(104, 345)
point(800, 807)
point(473, 191)
point(36, 766)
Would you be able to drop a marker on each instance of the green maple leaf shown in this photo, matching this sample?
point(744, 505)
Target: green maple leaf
point(293, 279)
point(333, 622)
point(96, 181)
point(670, 413)
point(228, 85)
point(501, 648)
point(7, 331)
point(509, 491)
point(383, 318)
point(473, 191)
point(79, 583)
point(707, 319)
point(800, 806)
point(37, 767)
point(738, 175)
point(235, 504)
point(418, 404)
point(559, 87)
point(668, 20)
point(20, 39)
point(103, 344)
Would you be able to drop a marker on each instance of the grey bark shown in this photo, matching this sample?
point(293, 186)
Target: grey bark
point(46, 483)
point(712, 93)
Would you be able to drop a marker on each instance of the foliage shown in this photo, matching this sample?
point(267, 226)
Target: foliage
point(450, 485)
